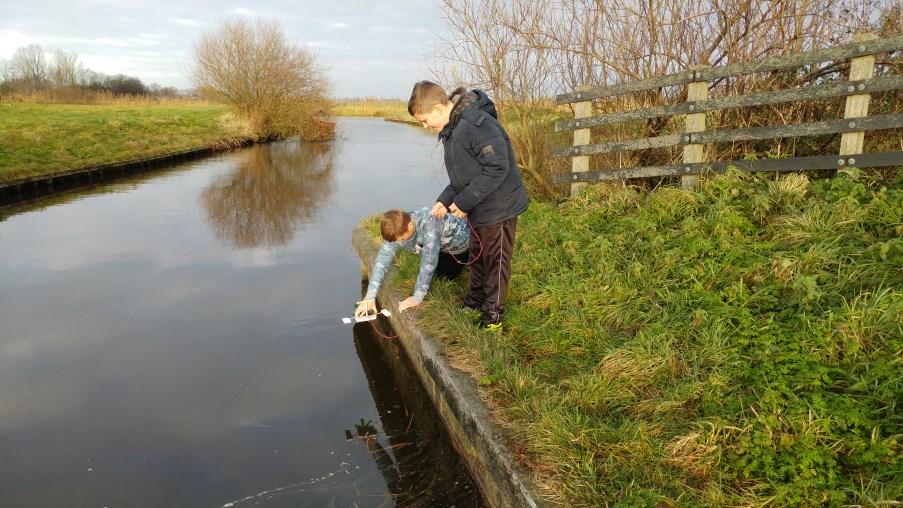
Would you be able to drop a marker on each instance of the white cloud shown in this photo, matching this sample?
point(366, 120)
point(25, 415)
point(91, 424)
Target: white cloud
point(10, 40)
point(344, 35)
point(185, 21)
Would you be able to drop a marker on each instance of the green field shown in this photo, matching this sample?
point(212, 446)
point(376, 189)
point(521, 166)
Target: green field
point(387, 108)
point(740, 345)
point(42, 139)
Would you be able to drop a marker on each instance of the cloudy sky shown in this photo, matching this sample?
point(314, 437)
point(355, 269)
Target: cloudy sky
point(371, 48)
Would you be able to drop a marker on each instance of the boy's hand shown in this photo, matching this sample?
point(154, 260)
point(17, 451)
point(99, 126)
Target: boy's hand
point(439, 210)
point(365, 307)
point(457, 212)
point(407, 303)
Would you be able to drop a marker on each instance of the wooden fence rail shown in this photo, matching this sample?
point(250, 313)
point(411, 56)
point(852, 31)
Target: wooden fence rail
point(857, 89)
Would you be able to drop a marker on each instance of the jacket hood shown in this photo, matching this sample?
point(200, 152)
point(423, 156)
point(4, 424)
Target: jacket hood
point(466, 103)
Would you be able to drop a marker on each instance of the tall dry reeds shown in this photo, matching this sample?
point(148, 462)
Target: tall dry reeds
point(79, 95)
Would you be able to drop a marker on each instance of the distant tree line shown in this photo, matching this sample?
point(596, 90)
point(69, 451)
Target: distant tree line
point(32, 70)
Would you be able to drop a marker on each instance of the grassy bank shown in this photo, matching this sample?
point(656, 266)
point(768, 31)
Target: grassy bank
point(386, 108)
point(739, 345)
point(40, 139)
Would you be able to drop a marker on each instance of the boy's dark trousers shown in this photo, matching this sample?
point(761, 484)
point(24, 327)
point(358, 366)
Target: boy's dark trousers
point(489, 275)
point(448, 267)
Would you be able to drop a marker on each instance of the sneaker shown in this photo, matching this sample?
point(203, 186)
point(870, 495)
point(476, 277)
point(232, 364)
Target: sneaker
point(468, 308)
point(491, 327)
point(491, 321)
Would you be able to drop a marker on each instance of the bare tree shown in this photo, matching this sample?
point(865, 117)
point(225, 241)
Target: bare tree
point(6, 70)
point(30, 66)
point(271, 81)
point(64, 69)
point(485, 50)
point(526, 51)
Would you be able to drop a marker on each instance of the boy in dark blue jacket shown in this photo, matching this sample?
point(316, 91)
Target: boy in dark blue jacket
point(485, 186)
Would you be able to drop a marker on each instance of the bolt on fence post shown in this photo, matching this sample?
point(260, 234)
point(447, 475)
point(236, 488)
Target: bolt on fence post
point(695, 122)
point(857, 106)
point(580, 164)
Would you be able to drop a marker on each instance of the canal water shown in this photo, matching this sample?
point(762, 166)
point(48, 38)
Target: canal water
point(174, 339)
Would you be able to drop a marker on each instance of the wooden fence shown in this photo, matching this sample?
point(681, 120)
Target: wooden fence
point(857, 89)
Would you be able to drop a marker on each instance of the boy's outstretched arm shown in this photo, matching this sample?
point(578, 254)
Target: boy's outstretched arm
point(380, 266)
point(429, 258)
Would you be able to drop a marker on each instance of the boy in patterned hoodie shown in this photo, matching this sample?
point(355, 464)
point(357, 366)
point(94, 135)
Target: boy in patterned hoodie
point(441, 243)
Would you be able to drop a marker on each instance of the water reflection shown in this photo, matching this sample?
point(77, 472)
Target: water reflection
point(146, 362)
point(423, 466)
point(272, 191)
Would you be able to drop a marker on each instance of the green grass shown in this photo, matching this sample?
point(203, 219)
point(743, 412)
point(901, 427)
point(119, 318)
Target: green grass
point(386, 108)
point(41, 139)
point(739, 345)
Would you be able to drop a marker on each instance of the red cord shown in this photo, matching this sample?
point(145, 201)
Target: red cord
point(474, 260)
point(375, 329)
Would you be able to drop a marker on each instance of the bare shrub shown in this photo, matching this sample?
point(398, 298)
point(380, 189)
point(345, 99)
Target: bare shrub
point(274, 83)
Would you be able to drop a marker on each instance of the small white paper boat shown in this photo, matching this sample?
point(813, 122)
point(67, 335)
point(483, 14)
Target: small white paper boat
point(370, 317)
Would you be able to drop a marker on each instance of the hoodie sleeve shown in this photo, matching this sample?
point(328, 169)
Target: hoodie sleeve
point(429, 256)
point(447, 195)
point(491, 147)
point(380, 266)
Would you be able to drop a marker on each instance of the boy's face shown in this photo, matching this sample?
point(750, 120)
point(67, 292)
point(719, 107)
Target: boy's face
point(407, 234)
point(435, 118)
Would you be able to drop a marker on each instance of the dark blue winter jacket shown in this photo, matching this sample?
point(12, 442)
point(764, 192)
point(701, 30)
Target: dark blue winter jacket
point(484, 180)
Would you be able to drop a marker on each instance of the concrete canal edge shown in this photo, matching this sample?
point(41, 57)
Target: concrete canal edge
point(503, 481)
point(27, 188)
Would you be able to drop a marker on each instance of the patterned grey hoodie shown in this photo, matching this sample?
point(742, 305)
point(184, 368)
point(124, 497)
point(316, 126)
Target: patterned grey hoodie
point(431, 236)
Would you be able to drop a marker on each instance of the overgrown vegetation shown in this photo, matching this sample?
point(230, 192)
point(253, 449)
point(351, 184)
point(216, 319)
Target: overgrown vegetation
point(738, 345)
point(526, 51)
point(41, 139)
point(275, 84)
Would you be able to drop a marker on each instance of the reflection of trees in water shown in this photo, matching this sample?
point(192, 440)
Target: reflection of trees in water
point(275, 188)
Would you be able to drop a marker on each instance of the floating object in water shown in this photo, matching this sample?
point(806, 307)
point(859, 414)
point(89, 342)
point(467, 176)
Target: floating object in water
point(368, 317)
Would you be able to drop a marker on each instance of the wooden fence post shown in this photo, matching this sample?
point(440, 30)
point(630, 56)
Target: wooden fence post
point(857, 106)
point(580, 164)
point(695, 122)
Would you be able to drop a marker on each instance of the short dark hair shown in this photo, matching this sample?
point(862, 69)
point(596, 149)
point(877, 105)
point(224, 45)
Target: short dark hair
point(394, 223)
point(424, 96)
